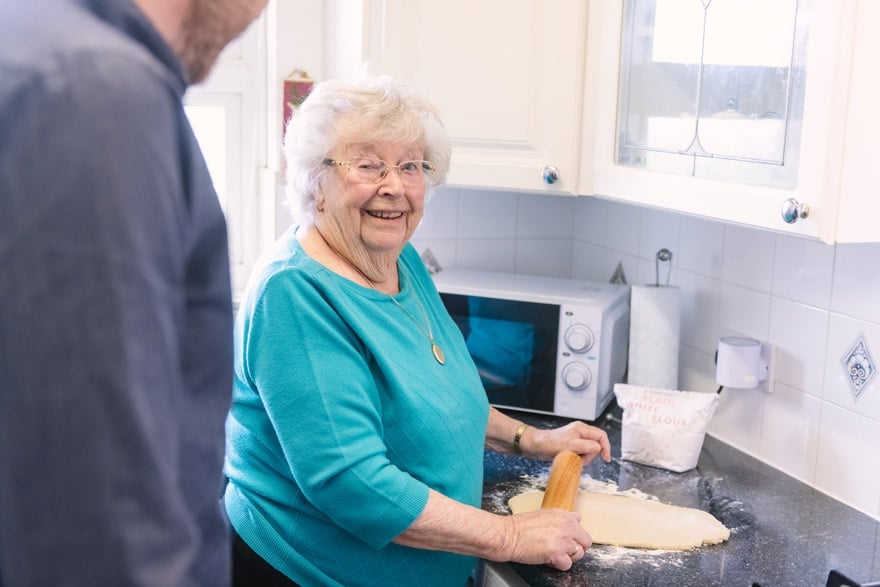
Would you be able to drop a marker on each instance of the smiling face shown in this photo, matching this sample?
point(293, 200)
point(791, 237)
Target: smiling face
point(369, 223)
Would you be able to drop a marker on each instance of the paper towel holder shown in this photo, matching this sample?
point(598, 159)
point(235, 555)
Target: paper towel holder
point(741, 362)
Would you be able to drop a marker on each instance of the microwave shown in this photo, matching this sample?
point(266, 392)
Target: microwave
point(541, 344)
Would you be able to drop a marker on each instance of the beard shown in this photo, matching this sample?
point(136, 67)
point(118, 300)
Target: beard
point(208, 26)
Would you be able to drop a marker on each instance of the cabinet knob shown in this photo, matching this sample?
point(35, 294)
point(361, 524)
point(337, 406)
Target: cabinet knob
point(792, 210)
point(550, 174)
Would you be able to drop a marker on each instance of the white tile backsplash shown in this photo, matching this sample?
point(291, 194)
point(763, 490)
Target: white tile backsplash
point(445, 251)
point(696, 369)
point(846, 460)
point(441, 215)
point(484, 215)
point(497, 254)
point(593, 263)
point(802, 270)
point(747, 258)
point(799, 333)
point(660, 230)
point(743, 311)
point(739, 419)
point(699, 310)
point(856, 285)
point(549, 257)
point(790, 431)
point(611, 225)
point(548, 217)
point(808, 299)
point(700, 247)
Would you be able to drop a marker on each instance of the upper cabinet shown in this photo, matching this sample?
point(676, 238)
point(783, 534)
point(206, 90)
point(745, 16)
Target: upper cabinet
point(507, 76)
point(762, 113)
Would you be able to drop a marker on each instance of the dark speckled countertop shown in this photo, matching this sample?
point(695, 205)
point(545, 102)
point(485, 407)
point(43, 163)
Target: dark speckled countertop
point(783, 532)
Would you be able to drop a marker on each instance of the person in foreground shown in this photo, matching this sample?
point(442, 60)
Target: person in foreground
point(356, 436)
point(116, 318)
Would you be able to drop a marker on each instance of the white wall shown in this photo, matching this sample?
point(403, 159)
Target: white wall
point(811, 301)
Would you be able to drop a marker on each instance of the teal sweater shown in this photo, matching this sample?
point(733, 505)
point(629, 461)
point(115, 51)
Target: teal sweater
point(342, 420)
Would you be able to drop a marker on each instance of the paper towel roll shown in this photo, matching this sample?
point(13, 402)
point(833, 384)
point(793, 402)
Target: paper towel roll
point(654, 336)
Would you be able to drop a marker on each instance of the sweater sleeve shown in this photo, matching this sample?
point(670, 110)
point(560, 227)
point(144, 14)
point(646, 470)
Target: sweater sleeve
point(314, 379)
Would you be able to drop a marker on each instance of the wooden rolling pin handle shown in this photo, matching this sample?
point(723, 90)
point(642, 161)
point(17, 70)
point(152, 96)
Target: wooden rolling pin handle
point(565, 478)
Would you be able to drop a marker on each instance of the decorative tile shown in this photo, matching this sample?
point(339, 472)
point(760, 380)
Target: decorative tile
point(858, 366)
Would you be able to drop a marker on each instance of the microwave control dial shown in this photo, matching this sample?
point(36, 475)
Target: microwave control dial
point(576, 376)
point(579, 338)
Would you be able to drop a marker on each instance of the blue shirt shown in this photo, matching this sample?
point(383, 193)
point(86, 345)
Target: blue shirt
point(342, 420)
point(115, 308)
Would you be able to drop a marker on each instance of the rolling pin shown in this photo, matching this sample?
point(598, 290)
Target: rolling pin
point(565, 477)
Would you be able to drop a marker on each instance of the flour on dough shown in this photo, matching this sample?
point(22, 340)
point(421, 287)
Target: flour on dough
point(622, 520)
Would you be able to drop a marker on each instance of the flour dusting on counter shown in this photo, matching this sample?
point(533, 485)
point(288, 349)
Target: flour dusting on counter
point(610, 487)
point(604, 555)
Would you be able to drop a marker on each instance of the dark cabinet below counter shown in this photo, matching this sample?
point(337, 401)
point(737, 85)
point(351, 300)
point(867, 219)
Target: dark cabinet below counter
point(783, 532)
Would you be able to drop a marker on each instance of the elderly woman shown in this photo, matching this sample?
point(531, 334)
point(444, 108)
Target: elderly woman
point(356, 436)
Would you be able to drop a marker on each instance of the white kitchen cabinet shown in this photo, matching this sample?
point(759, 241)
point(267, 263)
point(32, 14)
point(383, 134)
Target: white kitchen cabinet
point(836, 175)
point(507, 76)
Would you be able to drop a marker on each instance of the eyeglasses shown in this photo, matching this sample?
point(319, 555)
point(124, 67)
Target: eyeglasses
point(370, 170)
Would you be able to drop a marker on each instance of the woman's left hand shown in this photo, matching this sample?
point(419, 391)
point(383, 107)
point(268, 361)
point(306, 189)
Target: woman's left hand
point(588, 441)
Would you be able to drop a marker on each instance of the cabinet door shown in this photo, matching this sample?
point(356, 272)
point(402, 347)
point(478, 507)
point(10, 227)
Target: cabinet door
point(507, 76)
point(753, 196)
point(859, 204)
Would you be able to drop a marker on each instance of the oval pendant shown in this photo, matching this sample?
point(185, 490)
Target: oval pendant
point(438, 353)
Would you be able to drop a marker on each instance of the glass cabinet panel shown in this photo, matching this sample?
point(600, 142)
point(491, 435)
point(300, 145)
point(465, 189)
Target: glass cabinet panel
point(713, 88)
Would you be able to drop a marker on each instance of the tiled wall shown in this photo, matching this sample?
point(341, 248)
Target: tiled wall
point(811, 301)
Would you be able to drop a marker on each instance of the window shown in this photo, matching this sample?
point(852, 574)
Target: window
point(714, 89)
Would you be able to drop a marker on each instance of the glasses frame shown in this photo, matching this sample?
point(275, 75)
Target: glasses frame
point(427, 169)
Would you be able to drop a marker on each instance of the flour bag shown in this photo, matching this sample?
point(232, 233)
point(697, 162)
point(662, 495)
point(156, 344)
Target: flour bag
point(662, 427)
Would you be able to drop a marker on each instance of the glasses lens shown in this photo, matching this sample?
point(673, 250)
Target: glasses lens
point(368, 169)
point(416, 172)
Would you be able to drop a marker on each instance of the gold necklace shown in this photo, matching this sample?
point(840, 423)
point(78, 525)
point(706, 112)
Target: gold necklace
point(435, 348)
point(426, 330)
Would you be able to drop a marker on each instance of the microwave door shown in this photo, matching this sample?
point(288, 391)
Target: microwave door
point(513, 345)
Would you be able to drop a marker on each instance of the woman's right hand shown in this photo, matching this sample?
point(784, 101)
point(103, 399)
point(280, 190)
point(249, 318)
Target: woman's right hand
point(549, 536)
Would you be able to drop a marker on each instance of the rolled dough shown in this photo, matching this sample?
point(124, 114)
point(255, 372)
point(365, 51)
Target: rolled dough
point(623, 520)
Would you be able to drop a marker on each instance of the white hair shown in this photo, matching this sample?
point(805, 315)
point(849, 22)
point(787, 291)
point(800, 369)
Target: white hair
point(339, 114)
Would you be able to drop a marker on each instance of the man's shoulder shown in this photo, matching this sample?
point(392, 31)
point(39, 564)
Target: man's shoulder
point(72, 52)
